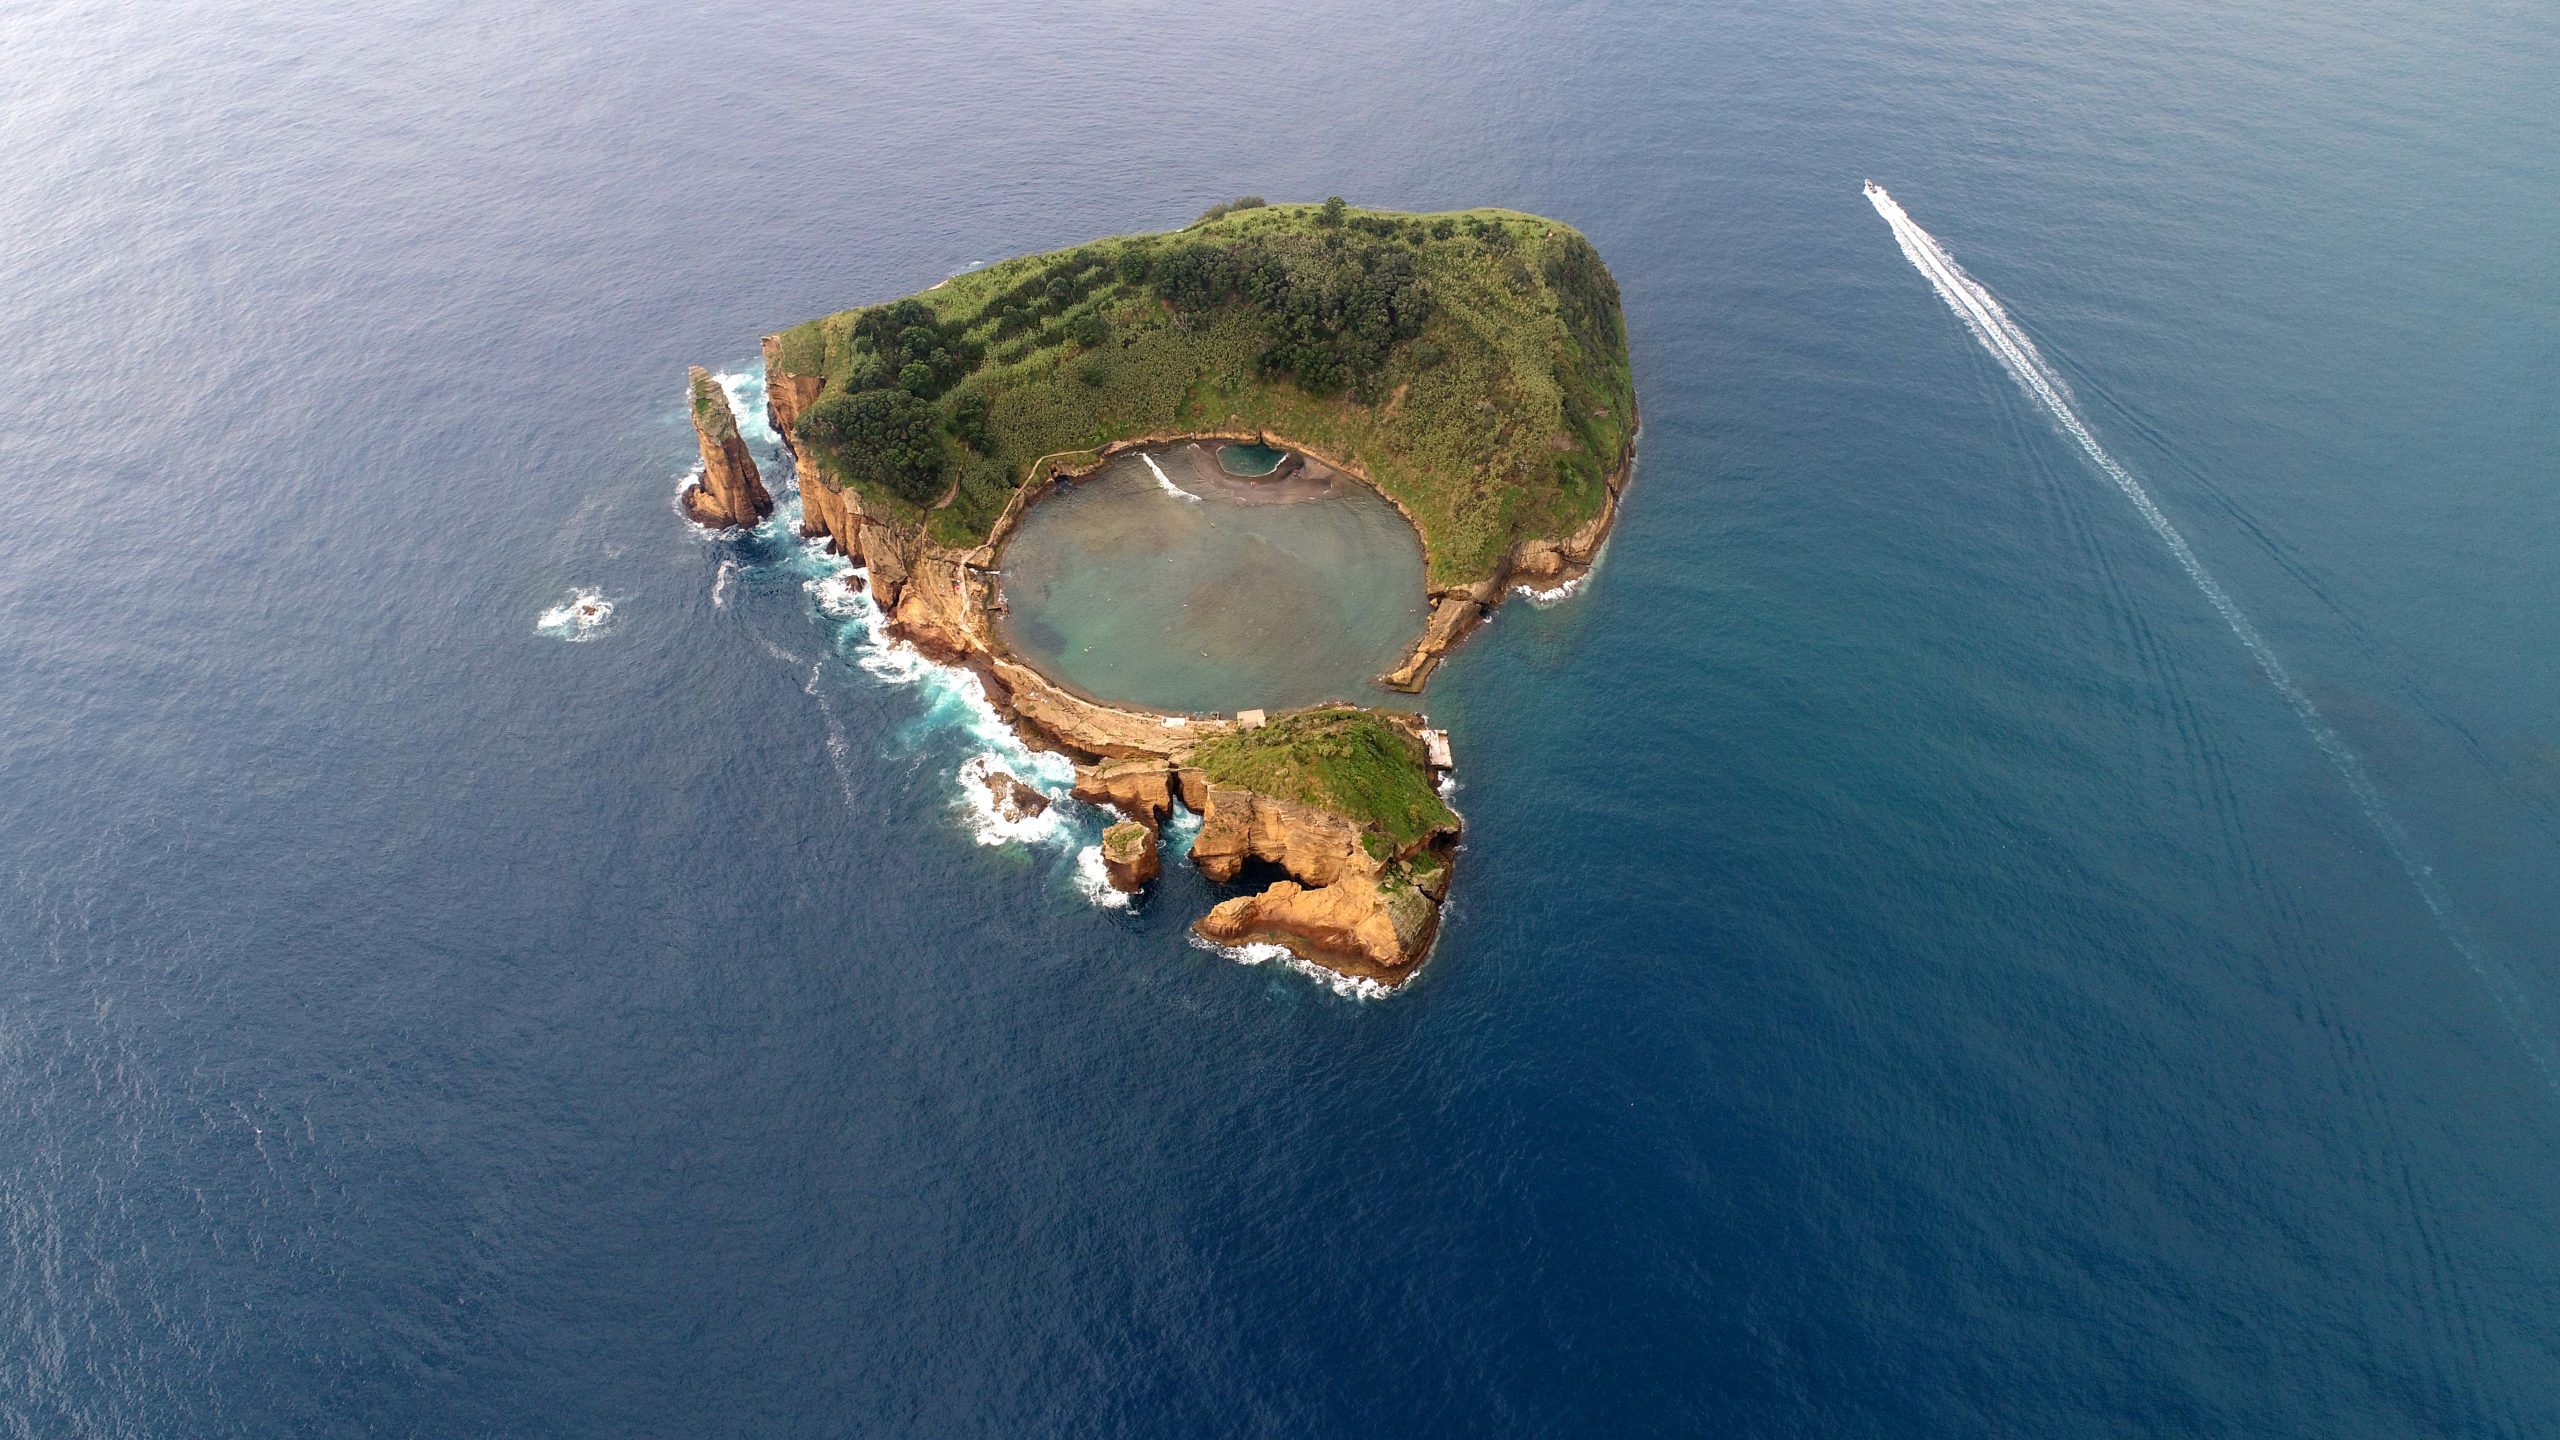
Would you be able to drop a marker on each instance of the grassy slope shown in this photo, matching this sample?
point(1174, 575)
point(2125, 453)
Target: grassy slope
point(1496, 424)
point(1346, 761)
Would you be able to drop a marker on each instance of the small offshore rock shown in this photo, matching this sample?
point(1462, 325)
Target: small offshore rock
point(1014, 801)
point(1129, 857)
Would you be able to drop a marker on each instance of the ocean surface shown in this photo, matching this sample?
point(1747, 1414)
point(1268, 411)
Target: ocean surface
point(1920, 965)
point(1163, 580)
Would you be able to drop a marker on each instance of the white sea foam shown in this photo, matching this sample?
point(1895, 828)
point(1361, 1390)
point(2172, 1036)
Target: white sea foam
point(838, 751)
point(1095, 882)
point(1166, 480)
point(2009, 343)
point(1556, 596)
point(989, 824)
point(720, 583)
point(839, 594)
point(745, 389)
point(956, 701)
point(1180, 829)
point(585, 615)
point(1260, 952)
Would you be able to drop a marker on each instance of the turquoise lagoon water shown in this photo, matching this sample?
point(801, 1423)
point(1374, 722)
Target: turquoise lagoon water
point(1250, 459)
point(1161, 581)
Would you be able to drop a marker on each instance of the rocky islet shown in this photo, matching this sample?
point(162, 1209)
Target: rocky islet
point(1362, 890)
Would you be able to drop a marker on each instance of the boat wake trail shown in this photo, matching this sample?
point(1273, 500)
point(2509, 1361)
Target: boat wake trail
point(2009, 344)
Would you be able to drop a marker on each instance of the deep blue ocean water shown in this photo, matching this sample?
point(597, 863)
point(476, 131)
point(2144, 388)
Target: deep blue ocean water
point(1910, 974)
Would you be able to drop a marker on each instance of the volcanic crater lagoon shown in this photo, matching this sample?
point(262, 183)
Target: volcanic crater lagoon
point(1164, 580)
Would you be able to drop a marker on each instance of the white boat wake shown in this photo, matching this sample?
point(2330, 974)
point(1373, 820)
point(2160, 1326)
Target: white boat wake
point(2008, 343)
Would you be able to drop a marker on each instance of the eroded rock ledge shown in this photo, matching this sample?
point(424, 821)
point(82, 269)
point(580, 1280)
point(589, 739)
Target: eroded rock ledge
point(1342, 800)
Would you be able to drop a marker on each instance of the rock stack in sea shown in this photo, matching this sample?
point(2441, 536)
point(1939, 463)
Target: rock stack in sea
point(730, 491)
point(1129, 857)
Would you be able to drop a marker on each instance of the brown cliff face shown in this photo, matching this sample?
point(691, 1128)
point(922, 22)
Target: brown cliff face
point(1317, 846)
point(730, 491)
point(823, 510)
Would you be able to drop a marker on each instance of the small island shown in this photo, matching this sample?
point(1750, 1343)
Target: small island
point(1469, 367)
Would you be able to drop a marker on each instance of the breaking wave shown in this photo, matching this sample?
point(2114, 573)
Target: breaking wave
point(585, 615)
point(1556, 596)
point(956, 708)
point(1167, 481)
point(1095, 882)
point(1259, 952)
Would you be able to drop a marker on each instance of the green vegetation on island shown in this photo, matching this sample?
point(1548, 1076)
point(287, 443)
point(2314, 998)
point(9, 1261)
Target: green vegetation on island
point(1351, 762)
point(1473, 364)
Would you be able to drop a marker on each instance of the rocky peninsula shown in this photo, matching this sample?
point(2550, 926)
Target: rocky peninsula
point(1471, 367)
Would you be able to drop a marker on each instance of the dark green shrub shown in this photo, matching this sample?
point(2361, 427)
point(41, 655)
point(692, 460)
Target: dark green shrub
point(969, 422)
point(884, 438)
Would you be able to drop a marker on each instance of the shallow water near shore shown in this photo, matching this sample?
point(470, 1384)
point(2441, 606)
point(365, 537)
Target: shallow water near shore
point(1165, 581)
point(1250, 459)
point(1911, 973)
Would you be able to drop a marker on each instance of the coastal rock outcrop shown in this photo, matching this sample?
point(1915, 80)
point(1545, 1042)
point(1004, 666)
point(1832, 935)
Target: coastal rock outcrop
point(1373, 930)
point(1129, 858)
point(1352, 903)
point(1014, 801)
point(730, 491)
point(1140, 789)
point(1540, 564)
point(1316, 846)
